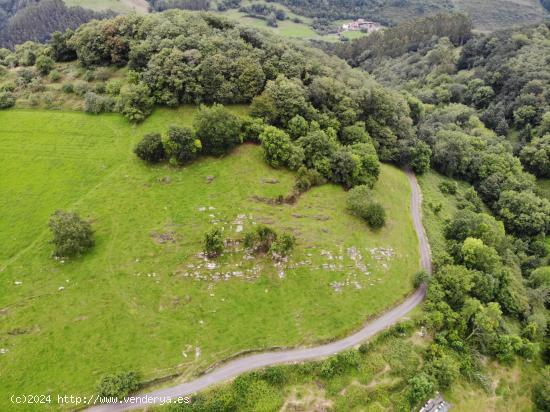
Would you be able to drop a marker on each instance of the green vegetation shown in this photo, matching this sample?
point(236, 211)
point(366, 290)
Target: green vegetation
point(118, 385)
point(149, 223)
point(71, 235)
point(207, 229)
point(213, 243)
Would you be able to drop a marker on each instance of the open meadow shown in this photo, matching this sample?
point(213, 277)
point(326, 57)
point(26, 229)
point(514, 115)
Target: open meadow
point(142, 299)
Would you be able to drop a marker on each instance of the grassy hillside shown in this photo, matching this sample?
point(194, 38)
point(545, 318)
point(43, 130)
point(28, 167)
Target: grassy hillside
point(134, 302)
point(489, 15)
point(119, 6)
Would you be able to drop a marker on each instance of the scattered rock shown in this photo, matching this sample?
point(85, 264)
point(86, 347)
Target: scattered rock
point(17, 331)
point(3, 351)
point(166, 180)
point(18, 283)
point(60, 288)
point(322, 218)
point(162, 238)
point(271, 181)
point(209, 179)
point(197, 352)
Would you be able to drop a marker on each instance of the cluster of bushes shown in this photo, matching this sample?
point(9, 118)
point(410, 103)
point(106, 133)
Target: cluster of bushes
point(72, 236)
point(215, 131)
point(262, 239)
point(360, 203)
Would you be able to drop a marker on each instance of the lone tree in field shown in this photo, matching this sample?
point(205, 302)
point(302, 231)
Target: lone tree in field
point(71, 235)
point(213, 243)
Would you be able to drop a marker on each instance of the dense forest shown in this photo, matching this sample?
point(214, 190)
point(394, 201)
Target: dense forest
point(485, 119)
point(36, 20)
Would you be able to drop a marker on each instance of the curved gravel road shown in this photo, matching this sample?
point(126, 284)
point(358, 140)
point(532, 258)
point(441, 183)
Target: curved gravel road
point(251, 362)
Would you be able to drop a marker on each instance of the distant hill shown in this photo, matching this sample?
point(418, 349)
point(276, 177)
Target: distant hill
point(22, 20)
point(487, 15)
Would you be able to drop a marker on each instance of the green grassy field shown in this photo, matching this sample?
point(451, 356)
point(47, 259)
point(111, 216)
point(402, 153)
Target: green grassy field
point(133, 302)
point(119, 6)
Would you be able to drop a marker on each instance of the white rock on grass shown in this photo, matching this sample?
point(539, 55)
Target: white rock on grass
point(17, 283)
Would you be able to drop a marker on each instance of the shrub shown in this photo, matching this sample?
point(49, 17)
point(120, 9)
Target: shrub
point(71, 235)
point(252, 129)
point(113, 87)
point(364, 348)
point(358, 199)
point(275, 375)
point(283, 245)
point(44, 64)
point(182, 146)
point(7, 99)
point(307, 178)
point(260, 239)
point(100, 88)
point(55, 75)
point(81, 88)
point(68, 88)
point(95, 103)
point(118, 385)
point(355, 133)
point(213, 243)
point(150, 148)
point(279, 149)
point(134, 102)
point(421, 387)
point(218, 129)
point(448, 188)
point(102, 74)
point(375, 215)
point(420, 277)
